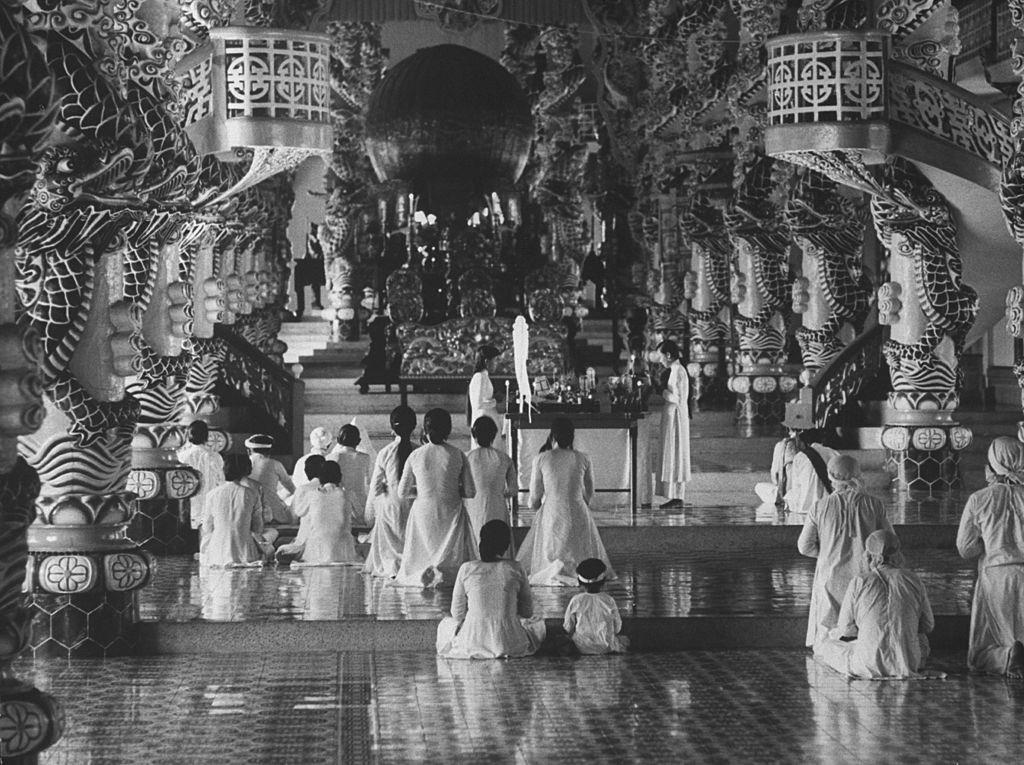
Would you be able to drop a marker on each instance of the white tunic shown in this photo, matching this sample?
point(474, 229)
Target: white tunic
point(299, 471)
point(328, 530)
point(563, 532)
point(482, 403)
point(302, 501)
point(494, 476)
point(803, 486)
point(889, 613)
point(675, 434)
point(491, 610)
point(355, 478)
point(229, 526)
point(438, 536)
point(834, 533)
point(593, 622)
point(992, 530)
point(211, 475)
point(390, 512)
point(270, 474)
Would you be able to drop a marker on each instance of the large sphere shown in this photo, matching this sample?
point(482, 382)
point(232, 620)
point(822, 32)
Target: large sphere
point(449, 117)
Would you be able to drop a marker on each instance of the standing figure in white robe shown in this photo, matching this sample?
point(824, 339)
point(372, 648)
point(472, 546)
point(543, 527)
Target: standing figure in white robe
point(492, 606)
point(992, 530)
point(390, 509)
point(563, 532)
point(270, 474)
point(592, 618)
point(494, 475)
point(327, 539)
point(834, 533)
point(884, 620)
point(799, 472)
point(481, 393)
point(675, 428)
point(355, 473)
point(438, 536)
point(232, 526)
point(320, 442)
point(198, 454)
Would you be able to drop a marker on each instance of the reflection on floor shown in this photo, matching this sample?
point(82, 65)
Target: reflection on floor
point(751, 706)
point(760, 582)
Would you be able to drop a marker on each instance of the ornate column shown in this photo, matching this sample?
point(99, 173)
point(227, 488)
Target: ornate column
point(832, 295)
point(30, 720)
point(760, 289)
point(706, 286)
point(929, 311)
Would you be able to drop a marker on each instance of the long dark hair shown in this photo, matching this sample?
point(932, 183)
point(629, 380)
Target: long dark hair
point(484, 354)
point(437, 425)
point(495, 538)
point(403, 423)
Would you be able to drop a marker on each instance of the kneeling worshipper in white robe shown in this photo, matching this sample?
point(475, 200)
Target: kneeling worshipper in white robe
point(438, 536)
point(232, 526)
point(563, 532)
point(356, 467)
point(270, 474)
point(834, 533)
point(992, 530)
point(592, 620)
point(884, 620)
point(494, 476)
point(492, 607)
point(799, 472)
point(390, 511)
point(199, 455)
point(302, 499)
point(327, 540)
point(320, 442)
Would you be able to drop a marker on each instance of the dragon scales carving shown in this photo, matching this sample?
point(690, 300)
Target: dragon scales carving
point(830, 230)
point(762, 241)
point(703, 225)
point(915, 223)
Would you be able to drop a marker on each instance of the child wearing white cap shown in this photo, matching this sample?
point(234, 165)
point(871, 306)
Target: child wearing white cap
point(592, 618)
point(320, 442)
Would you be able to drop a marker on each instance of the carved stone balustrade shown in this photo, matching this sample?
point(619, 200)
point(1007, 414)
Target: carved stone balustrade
point(261, 90)
point(837, 103)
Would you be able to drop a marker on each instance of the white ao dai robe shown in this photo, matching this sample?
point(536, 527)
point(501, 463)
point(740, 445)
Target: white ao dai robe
point(438, 535)
point(482, 403)
point(834, 533)
point(675, 434)
point(270, 474)
point(390, 512)
point(211, 475)
point(230, 527)
point(325, 530)
point(563, 532)
point(494, 476)
point(992, 530)
point(355, 479)
point(593, 622)
point(889, 613)
point(491, 610)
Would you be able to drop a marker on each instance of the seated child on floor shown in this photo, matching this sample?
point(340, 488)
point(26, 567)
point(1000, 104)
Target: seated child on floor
point(592, 619)
point(325, 529)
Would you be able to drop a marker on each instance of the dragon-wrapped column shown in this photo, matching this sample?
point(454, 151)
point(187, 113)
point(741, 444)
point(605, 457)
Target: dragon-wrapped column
point(760, 290)
point(929, 311)
point(706, 286)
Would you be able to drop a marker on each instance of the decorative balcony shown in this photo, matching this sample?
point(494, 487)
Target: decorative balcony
point(836, 102)
point(258, 90)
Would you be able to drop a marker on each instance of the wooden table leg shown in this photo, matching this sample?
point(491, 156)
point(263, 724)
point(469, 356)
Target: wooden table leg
point(632, 471)
point(514, 439)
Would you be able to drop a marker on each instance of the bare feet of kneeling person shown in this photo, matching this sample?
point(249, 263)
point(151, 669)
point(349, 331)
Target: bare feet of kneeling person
point(1015, 665)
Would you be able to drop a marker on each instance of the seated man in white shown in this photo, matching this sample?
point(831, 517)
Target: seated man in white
point(884, 619)
point(799, 472)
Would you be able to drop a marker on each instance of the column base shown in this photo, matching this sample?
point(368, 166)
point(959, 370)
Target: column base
point(92, 624)
point(925, 457)
point(32, 721)
point(163, 527)
point(761, 402)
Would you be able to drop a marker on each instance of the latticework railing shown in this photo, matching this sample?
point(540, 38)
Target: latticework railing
point(838, 383)
point(826, 77)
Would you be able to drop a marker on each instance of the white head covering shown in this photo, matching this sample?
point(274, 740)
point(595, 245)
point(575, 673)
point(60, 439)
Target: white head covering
point(884, 547)
point(320, 439)
point(844, 472)
point(1006, 460)
point(259, 441)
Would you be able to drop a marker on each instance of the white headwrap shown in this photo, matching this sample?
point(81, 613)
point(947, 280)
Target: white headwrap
point(259, 441)
point(884, 547)
point(320, 439)
point(1006, 460)
point(844, 472)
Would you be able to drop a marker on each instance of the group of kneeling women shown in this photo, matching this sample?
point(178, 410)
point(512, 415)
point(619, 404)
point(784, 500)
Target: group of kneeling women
point(440, 518)
point(869, 615)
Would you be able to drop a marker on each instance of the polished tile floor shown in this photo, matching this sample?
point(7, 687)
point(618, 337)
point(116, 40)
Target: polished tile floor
point(760, 582)
point(752, 706)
